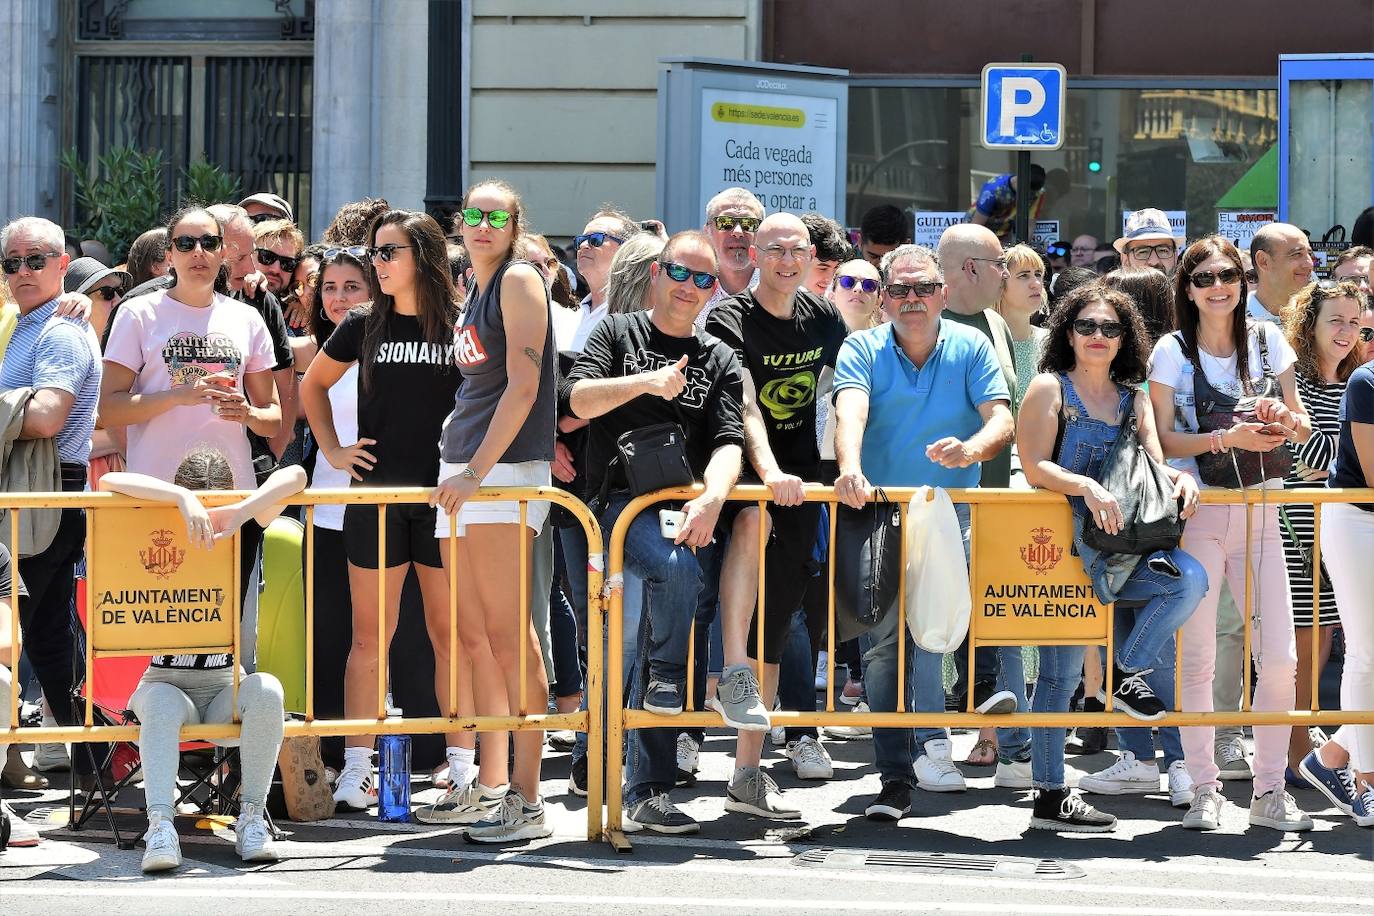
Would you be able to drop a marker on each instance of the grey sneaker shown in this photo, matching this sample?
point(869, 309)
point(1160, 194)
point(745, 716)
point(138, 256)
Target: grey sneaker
point(1278, 810)
point(465, 805)
point(513, 819)
point(809, 758)
point(1231, 762)
point(1205, 811)
point(737, 700)
point(657, 813)
point(752, 791)
point(252, 840)
point(161, 848)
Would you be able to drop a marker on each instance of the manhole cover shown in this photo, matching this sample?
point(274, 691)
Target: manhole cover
point(940, 863)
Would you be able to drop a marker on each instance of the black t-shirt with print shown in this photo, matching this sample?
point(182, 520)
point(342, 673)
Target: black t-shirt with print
point(787, 360)
point(708, 409)
point(405, 399)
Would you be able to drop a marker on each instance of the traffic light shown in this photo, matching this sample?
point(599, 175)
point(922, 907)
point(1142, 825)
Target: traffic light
point(1094, 154)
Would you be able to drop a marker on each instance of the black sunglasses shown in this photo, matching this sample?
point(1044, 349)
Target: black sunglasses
point(1205, 279)
point(1086, 327)
point(35, 262)
point(863, 283)
point(700, 278)
point(108, 293)
point(922, 289)
point(267, 257)
point(596, 239)
point(206, 242)
point(387, 253)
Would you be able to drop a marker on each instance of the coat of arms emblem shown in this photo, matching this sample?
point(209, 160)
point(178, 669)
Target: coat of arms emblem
point(163, 558)
point(1040, 555)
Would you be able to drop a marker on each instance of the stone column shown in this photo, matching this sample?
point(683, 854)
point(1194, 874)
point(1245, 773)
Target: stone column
point(30, 115)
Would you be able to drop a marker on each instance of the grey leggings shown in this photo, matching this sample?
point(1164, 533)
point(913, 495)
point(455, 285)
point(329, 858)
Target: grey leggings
point(168, 698)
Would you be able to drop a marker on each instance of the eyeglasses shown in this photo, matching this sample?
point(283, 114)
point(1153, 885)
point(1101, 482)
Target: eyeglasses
point(922, 288)
point(34, 262)
point(108, 293)
point(496, 219)
point(730, 223)
point(1367, 334)
point(700, 278)
point(863, 283)
point(208, 243)
point(387, 253)
point(267, 257)
point(1086, 327)
point(596, 239)
point(357, 251)
point(1000, 262)
point(1252, 277)
point(1143, 252)
point(1205, 279)
point(1083, 249)
point(777, 252)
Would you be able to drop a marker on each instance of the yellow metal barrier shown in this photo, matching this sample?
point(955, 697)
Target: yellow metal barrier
point(1052, 510)
point(108, 514)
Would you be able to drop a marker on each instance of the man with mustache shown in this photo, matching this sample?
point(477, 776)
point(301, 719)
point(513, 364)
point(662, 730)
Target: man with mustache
point(919, 401)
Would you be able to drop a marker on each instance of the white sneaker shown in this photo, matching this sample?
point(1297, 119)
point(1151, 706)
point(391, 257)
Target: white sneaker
point(462, 805)
point(809, 758)
point(849, 732)
point(688, 759)
point(1015, 774)
point(1126, 776)
point(1278, 810)
point(822, 675)
point(1180, 785)
point(935, 769)
point(1205, 811)
point(52, 757)
point(22, 833)
point(252, 840)
point(514, 818)
point(357, 787)
point(162, 849)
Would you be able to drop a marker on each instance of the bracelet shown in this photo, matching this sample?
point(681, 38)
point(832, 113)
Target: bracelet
point(1215, 442)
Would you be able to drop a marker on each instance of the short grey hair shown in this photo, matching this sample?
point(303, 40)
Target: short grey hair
point(628, 228)
point(228, 214)
point(44, 229)
point(627, 285)
point(918, 253)
point(734, 197)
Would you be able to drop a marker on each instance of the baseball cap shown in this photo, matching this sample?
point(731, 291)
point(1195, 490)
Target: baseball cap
point(84, 273)
point(270, 200)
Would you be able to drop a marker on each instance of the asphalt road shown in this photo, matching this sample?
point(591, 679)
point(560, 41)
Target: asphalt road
point(961, 853)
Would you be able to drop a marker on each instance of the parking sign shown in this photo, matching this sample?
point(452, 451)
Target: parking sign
point(1023, 106)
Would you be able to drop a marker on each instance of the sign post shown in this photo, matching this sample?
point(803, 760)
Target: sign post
point(1023, 109)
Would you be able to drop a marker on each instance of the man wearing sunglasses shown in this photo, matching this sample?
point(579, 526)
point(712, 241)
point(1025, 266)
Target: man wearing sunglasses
point(59, 359)
point(918, 401)
point(595, 248)
point(277, 247)
point(265, 206)
point(786, 339)
point(639, 369)
point(1282, 256)
point(732, 218)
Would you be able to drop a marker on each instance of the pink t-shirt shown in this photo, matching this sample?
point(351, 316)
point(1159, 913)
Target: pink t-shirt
point(168, 343)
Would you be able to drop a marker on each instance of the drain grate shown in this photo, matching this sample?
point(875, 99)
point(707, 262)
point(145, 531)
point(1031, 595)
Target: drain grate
point(940, 863)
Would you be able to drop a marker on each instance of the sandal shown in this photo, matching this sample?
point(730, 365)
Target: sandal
point(984, 753)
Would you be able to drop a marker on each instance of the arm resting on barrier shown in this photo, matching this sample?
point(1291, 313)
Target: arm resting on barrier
point(786, 488)
point(851, 416)
point(703, 512)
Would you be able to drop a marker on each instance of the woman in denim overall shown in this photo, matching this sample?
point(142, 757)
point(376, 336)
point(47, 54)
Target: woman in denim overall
point(1095, 356)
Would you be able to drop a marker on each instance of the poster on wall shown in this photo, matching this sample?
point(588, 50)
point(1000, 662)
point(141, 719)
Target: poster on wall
point(780, 148)
point(1240, 226)
point(928, 225)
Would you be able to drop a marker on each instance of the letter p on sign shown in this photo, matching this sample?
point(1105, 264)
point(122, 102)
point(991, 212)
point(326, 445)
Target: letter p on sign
point(1023, 106)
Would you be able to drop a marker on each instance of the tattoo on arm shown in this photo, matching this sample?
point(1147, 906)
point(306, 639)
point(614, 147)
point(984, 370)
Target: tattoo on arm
point(534, 357)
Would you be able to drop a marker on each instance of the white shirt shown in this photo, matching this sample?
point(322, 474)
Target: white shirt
point(1258, 311)
point(343, 401)
point(588, 320)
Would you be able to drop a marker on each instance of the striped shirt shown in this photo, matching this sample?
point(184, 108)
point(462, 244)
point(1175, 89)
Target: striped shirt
point(1323, 403)
point(46, 351)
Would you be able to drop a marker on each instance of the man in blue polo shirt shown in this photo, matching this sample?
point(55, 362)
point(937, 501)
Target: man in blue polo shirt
point(918, 401)
point(60, 359)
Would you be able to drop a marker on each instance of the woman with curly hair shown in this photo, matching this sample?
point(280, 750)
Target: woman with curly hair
point(1096, 355)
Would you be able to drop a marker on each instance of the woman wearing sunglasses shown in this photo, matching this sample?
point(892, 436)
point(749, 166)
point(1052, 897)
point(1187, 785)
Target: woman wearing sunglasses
point(500, 433)
point(188, 367)
point(403, 350)
point(1217, 358)
point(1323, 326)
point(1096, 355)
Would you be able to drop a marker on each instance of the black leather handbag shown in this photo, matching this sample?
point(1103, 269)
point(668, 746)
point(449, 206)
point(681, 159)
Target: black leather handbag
point(868, 565)
point(1145, 494)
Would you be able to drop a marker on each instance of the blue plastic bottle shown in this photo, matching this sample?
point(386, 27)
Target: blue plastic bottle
point(393, 791)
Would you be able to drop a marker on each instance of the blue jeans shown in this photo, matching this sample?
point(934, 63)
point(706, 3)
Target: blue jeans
point(632, 608)
point(673, 577)
point(797, 675)
point(1061, 668)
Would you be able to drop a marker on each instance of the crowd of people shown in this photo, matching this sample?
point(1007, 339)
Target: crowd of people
point(762, 348)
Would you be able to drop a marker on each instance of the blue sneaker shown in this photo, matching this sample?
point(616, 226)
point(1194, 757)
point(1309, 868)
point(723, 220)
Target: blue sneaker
point(1338, 785)
point(1293, 780)
point(663, 698)
point(1362, 808)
